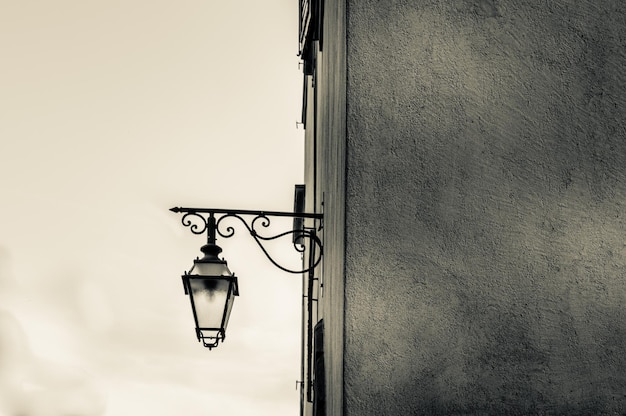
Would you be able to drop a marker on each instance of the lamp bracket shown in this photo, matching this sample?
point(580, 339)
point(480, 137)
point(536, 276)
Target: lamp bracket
point(201, 220)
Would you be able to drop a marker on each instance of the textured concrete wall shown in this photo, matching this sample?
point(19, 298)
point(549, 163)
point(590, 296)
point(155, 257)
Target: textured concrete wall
point(486, 204)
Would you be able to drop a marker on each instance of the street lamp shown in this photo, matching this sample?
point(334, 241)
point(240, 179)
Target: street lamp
point(212, 289)
point(211, 286)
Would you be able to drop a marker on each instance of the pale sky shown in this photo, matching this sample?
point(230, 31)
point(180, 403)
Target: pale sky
point(112, 112)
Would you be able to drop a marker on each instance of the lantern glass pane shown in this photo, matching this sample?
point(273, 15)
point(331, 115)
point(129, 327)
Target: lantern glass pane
point(209, 297)
point(229, 307)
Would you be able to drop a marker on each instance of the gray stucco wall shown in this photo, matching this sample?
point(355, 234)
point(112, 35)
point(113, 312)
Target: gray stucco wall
point(485, 208)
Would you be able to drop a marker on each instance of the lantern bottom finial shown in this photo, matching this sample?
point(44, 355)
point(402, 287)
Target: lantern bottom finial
point(210, 338)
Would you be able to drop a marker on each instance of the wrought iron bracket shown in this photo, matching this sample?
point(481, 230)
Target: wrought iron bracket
point(201, 220)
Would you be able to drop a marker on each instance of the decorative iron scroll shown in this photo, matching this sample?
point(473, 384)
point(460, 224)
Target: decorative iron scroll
point(201, 220)
point(213, 341)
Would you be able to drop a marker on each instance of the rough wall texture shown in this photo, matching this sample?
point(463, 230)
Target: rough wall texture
point(486, 207)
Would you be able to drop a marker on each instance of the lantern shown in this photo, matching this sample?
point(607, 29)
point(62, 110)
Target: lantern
point(212, 289)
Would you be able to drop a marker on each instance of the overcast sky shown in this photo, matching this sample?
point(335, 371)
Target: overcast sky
point(112, 112)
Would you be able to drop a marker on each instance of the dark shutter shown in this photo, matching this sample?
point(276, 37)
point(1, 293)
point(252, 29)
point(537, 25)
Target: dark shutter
point(298, 208)
point(319, 384)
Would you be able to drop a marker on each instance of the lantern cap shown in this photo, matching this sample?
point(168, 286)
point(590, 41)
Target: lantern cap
point(210, 264)
point(210, 254)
